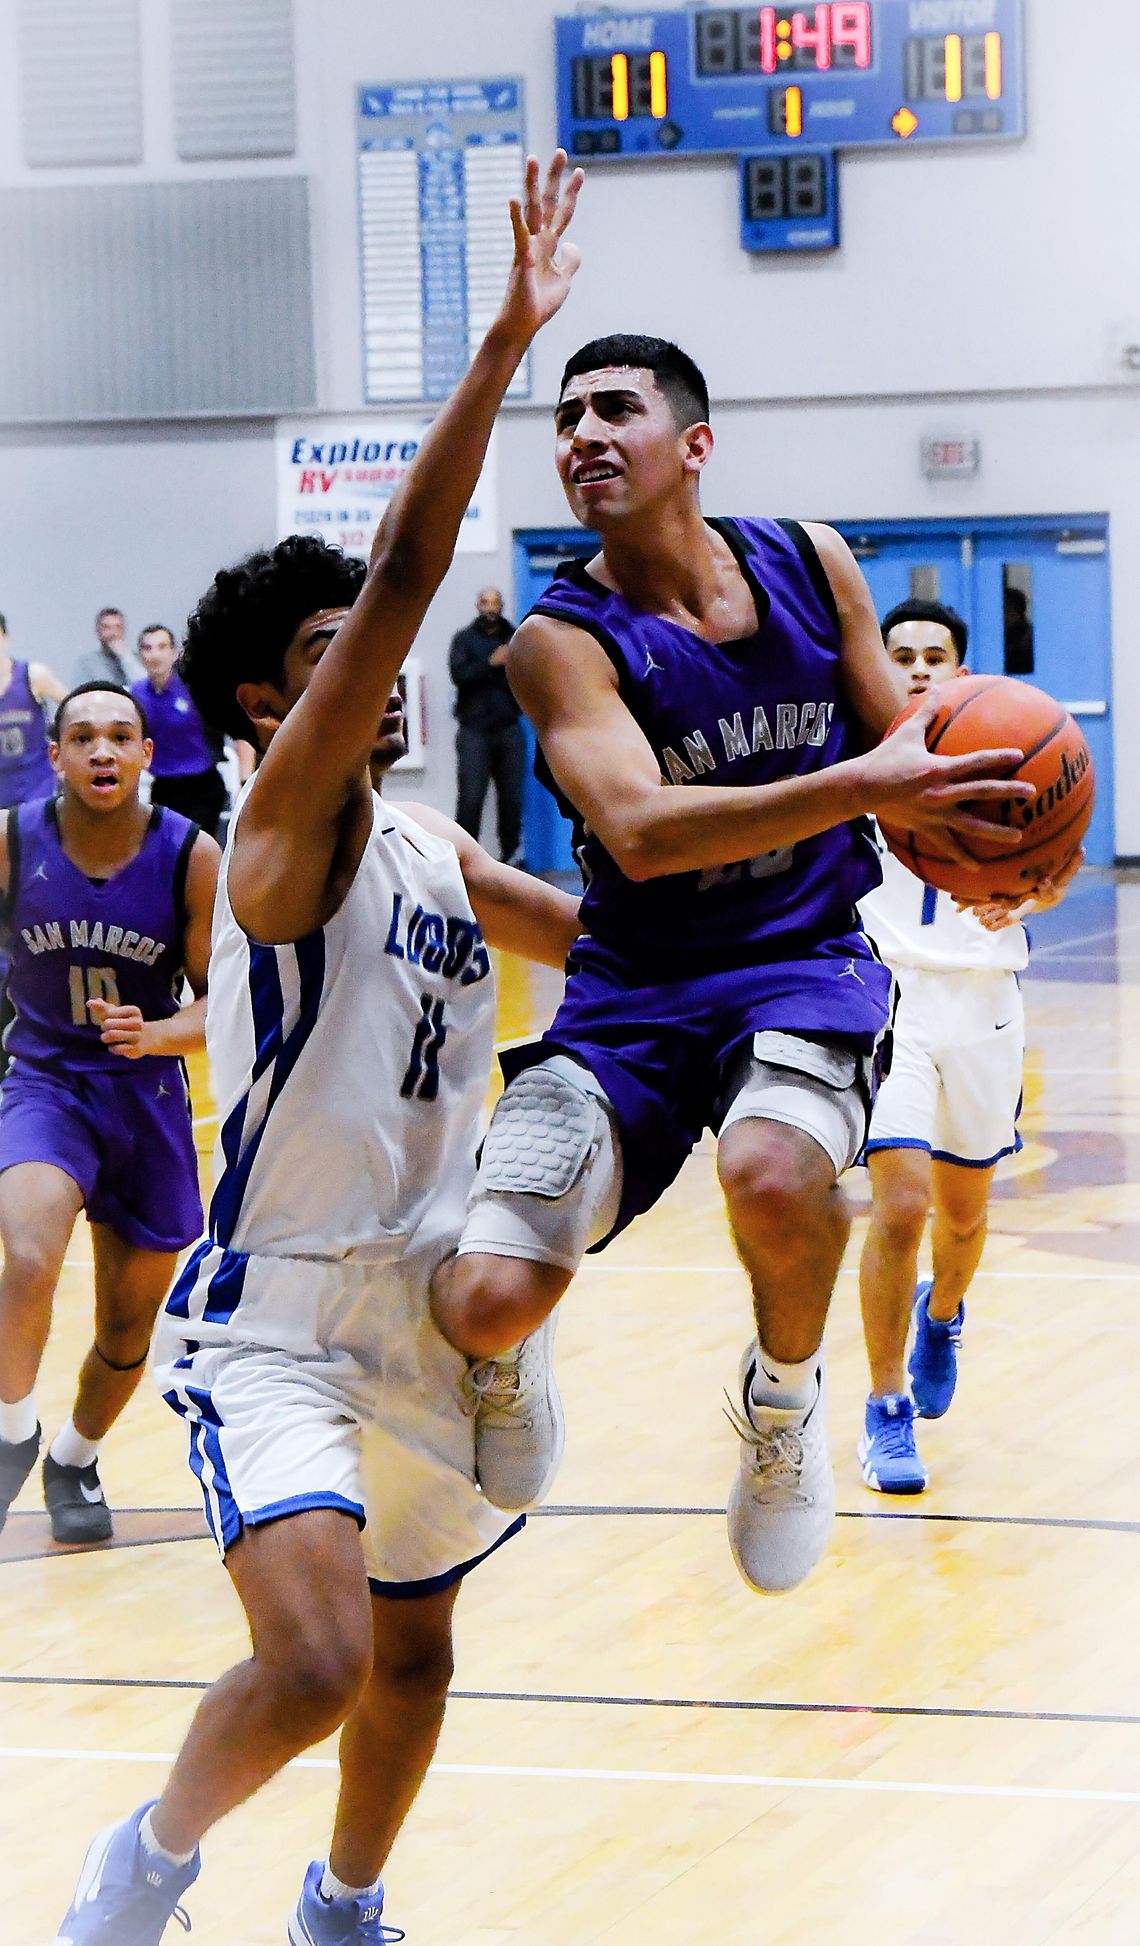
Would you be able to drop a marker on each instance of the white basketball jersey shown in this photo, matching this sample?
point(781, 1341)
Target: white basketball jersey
point(351, 1067)
point(913, 925)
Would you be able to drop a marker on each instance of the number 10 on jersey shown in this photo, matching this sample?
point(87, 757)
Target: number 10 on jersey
point(90, 983)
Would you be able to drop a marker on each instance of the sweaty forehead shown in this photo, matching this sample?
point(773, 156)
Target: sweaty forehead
point(100, 712)
point(611, 378)
point(921, 635)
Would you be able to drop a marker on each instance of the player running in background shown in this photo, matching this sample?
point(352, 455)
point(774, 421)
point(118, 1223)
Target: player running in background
point(108, 909)
point(947, 1112)
point(25, 767)
point(703, 692)
point(350, 1030)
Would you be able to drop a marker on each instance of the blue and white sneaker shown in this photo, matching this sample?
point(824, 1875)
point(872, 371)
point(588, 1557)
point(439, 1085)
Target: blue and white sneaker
point(933, 1363)
point(124, 1897)
point(339, 1922)
point(887, 1451)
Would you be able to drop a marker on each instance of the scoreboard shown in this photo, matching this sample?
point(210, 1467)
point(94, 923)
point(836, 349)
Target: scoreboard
point(713, 80)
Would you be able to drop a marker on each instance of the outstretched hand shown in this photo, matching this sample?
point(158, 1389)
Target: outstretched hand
point(544, 265)
point(914, 787)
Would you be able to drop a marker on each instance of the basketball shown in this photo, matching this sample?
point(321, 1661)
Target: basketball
point(995, 713)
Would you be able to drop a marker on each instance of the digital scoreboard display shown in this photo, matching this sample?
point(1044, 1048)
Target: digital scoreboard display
point(841, 74)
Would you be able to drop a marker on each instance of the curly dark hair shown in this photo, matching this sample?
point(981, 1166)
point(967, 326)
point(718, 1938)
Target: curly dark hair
point(244, 623)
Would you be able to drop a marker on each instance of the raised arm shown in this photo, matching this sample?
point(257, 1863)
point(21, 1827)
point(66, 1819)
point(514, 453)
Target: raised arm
point(518, 913)
point(123, 1029)
point(606, 767)
point(319, 755)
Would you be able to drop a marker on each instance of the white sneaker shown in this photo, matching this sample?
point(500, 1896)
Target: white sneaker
point(782, 1503)
point(519, 1428)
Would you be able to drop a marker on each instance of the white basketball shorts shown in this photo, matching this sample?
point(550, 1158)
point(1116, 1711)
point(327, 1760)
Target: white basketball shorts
point(308, 1385)
point(954, 1087)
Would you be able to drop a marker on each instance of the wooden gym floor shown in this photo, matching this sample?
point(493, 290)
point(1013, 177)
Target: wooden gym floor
point(936, 1740)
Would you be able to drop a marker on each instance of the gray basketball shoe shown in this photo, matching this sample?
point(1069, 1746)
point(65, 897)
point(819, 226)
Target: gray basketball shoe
point(782, 1504)
point(519, 1428)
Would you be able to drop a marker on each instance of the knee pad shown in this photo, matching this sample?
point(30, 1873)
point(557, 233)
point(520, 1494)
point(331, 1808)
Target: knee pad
point(550, 1177)
point(541, 1135)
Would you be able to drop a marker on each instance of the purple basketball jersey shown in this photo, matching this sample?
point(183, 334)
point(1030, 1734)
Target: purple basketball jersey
point(73, 940)
point(25, 771)
point(738, 713)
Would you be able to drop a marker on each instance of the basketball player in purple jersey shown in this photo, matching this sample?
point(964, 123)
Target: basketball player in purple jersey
point(725, 980)
point(108, 906)
point(25, 768)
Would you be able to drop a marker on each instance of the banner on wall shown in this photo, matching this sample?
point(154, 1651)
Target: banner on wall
point(335, 478)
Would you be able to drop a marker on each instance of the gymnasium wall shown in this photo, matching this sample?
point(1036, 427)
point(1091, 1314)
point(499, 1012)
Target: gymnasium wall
point(989, 294)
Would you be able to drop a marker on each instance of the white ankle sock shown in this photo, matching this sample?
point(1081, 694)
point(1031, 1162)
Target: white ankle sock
point(786, 1386)
point(18, 1421)
point(153, 1849)
point(332, 1887)
point(69, 1448)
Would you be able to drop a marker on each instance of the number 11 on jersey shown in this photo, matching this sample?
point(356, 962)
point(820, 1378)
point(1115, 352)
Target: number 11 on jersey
point(422, 1078)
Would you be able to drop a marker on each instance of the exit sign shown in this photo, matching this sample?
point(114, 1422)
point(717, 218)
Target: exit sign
point(951, 459)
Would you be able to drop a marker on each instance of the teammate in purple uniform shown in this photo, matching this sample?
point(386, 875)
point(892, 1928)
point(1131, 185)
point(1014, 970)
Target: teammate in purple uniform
point(726, 981)
point(184, 767)
point(108, 905)
point(25, 769)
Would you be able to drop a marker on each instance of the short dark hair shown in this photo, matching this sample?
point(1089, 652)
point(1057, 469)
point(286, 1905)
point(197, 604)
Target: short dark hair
point(158, 628)
point(930, 611)
point(97, 689)
point(676, 375)
point(109, 611)
point(244, 623)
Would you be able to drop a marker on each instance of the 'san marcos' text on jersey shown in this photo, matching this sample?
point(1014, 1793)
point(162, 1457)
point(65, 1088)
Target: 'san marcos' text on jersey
point(121, 942)
point(789, 727)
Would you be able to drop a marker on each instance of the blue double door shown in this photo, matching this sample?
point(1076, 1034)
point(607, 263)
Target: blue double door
point(1034, 594)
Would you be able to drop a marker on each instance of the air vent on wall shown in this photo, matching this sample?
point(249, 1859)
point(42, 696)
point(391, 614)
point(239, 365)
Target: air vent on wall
point(80, 82)
point(233, 79)
point(156, 300)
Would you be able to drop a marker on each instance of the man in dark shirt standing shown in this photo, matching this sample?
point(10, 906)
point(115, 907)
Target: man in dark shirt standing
point(489, 741)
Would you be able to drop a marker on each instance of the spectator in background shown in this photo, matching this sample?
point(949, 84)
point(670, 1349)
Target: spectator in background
point(1019, 659)
point(112, 661)
point(489, 740)
point(184, 767)
point(25, 770)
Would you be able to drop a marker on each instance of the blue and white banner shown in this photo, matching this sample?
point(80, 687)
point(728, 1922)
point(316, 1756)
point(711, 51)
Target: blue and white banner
point(335, 477)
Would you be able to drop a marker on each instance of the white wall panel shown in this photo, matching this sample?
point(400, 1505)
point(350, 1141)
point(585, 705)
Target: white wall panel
point(155, 300)
point(233, 78)
point(80, 82)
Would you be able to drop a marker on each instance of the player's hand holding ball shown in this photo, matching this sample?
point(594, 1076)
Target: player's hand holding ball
point(917, 791)
point(1010, 810)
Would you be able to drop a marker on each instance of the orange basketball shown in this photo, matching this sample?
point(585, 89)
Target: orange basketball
point(996, 713)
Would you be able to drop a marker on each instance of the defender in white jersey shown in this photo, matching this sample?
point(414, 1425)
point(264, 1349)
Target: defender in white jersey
point(351, 1039)
point(946, 1113)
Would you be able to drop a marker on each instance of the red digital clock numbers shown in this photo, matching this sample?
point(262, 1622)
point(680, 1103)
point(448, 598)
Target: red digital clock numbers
point(827, 36)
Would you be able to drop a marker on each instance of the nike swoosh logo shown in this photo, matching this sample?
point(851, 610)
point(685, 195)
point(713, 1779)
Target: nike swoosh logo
point(1003, 1023)
point(92, 1495)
